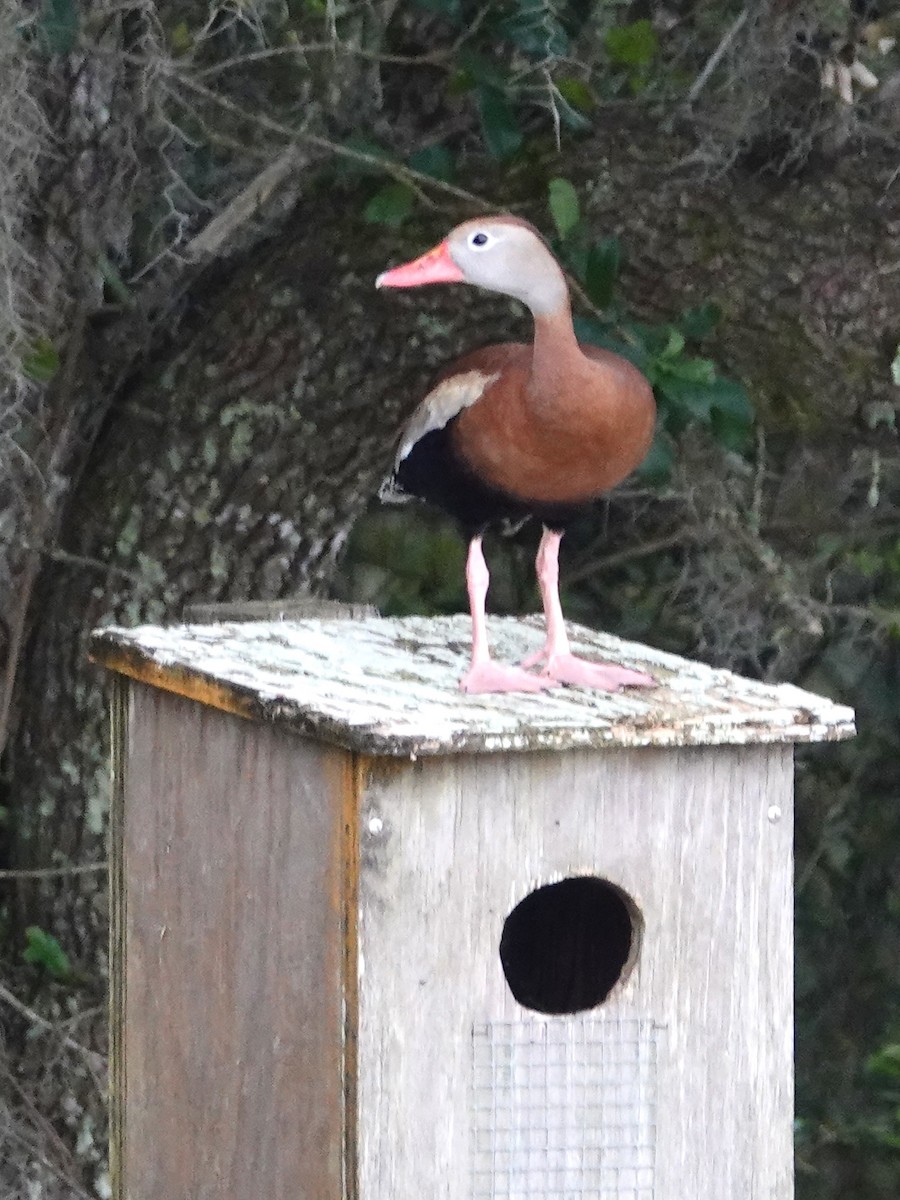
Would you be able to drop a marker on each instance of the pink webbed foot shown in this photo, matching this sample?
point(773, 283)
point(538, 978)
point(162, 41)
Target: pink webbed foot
point(490, 676)
point(578, 672)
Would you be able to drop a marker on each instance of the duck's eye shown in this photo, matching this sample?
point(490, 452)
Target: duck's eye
point(480, 240)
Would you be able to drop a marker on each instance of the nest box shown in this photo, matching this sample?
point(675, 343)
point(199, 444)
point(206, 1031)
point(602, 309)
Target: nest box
point(377, 940)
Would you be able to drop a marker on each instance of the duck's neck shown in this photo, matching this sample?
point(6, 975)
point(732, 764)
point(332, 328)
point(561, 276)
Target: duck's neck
point(556, 351)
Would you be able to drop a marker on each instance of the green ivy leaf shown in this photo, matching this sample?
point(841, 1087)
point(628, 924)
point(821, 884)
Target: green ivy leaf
point(595, 333)
point(436, 161)
point(577, 93)
point(886, 1062)
point(390, 205)
point(632, 45)
point(41, 360)
point(731, 397)
point(564, 206)
point(180, 38)
point(483, 71)
point(45, 951)
point(603, 263)
point(674, 345)
point(687, 398)
point(692, 370)
point(569, 117)
point(502, 134)
point(535, 30)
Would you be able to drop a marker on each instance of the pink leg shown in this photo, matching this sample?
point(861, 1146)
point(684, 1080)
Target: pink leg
point(559, 662)
point(485, 675)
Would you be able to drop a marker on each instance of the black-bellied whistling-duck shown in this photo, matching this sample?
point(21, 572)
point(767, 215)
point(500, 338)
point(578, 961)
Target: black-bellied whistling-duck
point(513, 430)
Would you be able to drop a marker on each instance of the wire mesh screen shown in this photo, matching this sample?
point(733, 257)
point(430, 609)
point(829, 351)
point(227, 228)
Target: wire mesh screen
point(564, 1109)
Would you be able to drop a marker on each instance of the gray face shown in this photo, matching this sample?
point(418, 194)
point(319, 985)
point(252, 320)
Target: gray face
point(509, 259)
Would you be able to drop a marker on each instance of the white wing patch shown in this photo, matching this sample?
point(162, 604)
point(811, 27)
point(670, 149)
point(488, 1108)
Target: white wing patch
point(441, 405)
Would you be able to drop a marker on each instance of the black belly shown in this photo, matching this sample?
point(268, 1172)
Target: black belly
point(434, 472)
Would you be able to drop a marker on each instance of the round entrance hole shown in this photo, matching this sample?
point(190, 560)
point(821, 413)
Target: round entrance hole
point(566, 945)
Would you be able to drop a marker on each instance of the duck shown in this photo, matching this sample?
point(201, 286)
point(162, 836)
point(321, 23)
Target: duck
point(519, 430)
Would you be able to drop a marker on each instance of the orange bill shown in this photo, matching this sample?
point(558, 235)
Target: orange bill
point(434, 267)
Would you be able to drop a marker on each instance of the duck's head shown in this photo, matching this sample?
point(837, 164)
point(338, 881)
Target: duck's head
point(503, 254)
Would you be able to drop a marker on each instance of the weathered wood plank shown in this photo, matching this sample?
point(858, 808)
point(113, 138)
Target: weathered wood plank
point(701, 840)
point(230, 882)
point(389, 687)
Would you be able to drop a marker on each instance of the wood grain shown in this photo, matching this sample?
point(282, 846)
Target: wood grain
point(692, 835)
point(232, 849)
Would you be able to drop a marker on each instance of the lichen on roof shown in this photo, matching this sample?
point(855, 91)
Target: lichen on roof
point(386, 686)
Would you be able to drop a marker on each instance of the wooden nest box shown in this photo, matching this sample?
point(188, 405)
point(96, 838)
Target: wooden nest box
point(377, 940)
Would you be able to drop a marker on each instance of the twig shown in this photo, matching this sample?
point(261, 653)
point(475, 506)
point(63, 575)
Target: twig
point(758, 480)
point(50, 872)
point(77, 560)
point(670, 542)
point(94, 1060)
point(417, 180)
point(435, 58)
point(242, 208)
point(716, 57)
point(42, 1133)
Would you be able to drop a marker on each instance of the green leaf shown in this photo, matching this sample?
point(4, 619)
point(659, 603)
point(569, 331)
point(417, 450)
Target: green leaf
point(674, 345)
point(564, 206)
point(577, 93)
point(502, 134)
point(885, 1062)
point(730, 431)
point(569, 117)
point(484, 71)
point(692, 370)
point(595, 333)
point(358, 167)
point(895, 368)
point(632, 45)
point(535, 30)
point(690, 399)
point(436, 161)
point(731, 397)
point(57, 27)
point(41, 361)
point(390, 205)
point(113, 280)
point(604, 260)
point(180, 38)
point(698, 323)
point(45, 951)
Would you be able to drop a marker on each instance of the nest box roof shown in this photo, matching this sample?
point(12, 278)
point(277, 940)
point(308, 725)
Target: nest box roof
point(385, 686)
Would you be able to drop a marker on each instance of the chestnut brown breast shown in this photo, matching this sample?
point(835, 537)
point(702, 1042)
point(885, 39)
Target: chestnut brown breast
point(566, 438)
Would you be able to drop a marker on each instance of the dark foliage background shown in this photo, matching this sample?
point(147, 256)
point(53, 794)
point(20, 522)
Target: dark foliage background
point(199, 392)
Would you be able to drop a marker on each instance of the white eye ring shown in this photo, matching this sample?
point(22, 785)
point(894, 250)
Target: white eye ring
point(480, 239)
